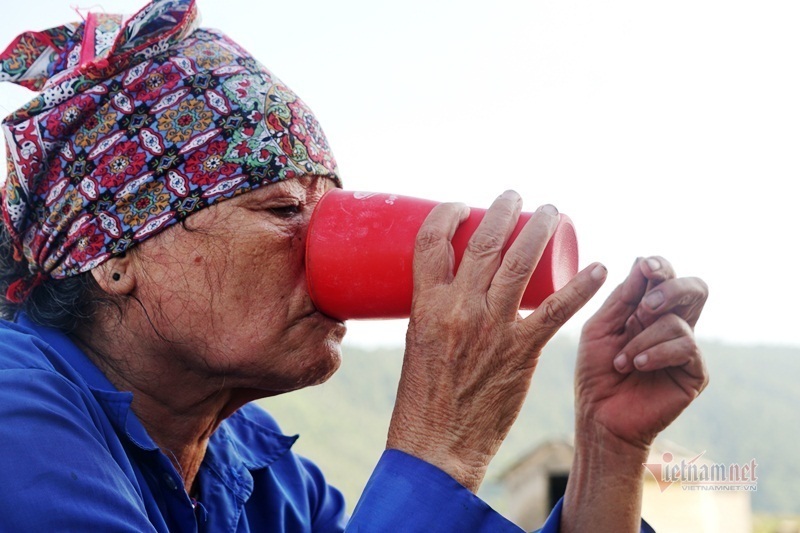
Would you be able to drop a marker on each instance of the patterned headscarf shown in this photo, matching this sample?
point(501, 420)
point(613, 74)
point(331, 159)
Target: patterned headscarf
point(140, 122)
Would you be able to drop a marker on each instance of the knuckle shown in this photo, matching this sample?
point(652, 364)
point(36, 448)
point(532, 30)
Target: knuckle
point(696, 291)
point(690, 348)
point(702, 288)
point(706, 379)
point(589, 328)
point(554, 312)
point(516, 266)
point(697, 354)
point(485, 244)
point(580, 292)
point(427, 239)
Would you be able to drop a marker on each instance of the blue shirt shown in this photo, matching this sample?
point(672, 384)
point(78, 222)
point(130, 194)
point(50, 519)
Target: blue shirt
point(75, 458)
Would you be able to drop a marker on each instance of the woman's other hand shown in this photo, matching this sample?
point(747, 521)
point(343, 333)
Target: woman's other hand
point(638, 368)
point(639, 365)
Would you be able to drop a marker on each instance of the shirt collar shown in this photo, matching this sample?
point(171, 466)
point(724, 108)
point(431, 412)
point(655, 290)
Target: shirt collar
point(246, 442)
point(116, 404)
point(251, 440)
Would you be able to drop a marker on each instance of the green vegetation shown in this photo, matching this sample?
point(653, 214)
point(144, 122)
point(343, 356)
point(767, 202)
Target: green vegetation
point(776, 524)
point(750, 410)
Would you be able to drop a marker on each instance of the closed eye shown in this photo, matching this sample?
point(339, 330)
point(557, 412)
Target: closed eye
point(286, 211)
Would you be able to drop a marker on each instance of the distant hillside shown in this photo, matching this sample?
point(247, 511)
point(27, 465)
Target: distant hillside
point(751, 409)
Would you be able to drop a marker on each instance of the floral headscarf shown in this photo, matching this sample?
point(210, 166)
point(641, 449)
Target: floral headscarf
point(140, 122)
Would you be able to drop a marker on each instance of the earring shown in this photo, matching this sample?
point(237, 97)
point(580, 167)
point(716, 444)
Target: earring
point(116, 276)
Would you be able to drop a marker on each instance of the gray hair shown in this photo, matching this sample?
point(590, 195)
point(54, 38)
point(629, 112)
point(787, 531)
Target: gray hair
point(63, 304)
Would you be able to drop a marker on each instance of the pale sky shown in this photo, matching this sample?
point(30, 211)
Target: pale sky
point(666, 128)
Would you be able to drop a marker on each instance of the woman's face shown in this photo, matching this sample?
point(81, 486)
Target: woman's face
point(227, 294)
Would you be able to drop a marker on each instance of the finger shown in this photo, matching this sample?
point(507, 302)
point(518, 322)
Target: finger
point(684, 297)
point(482, 254)
point(619, 306)
point(657, 270)
point(519, 262)
point(433, 253)
point(542, 324)
point(657, 346)
point(681, 352)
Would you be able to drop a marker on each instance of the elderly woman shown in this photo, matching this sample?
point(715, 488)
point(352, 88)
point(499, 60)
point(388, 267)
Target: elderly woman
point(158, 194)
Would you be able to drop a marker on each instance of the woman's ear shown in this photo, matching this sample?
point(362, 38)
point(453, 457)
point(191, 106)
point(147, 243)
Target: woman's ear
point(116, 276)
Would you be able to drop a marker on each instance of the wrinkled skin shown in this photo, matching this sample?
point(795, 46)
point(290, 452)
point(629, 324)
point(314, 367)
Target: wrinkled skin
point(470, 358)
point(469, 354)
point(638, 368)
point(215, 313)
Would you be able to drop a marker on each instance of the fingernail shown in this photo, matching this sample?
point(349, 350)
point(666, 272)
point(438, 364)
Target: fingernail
point(654, 299)
point(653, 263)
point(619, 361)
point(640, 360)
point(599, 272)
point(511, 195)
point(549, 209)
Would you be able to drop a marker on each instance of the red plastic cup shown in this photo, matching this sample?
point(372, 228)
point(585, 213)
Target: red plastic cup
point(360, 252)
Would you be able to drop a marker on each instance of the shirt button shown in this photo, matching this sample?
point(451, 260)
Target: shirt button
point(170, 481)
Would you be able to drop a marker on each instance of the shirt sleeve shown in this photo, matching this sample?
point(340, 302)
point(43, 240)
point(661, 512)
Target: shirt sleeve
point(553, 522)
point(408, 492)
